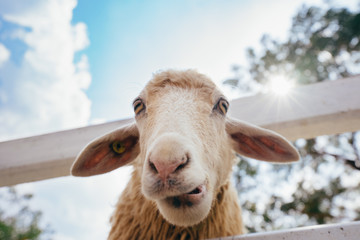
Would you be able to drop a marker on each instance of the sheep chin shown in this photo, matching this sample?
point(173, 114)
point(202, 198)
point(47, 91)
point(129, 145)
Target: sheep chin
point(186, 209)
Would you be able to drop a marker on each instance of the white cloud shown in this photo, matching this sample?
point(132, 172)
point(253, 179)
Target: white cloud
point(45, 91)
point(78, 208)
point(4, 55)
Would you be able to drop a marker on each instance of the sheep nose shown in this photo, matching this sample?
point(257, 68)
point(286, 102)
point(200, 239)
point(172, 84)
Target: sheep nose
point(165, 168)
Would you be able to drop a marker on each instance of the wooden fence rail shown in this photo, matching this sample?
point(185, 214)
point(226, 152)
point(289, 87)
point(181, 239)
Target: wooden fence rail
point(325, 108)
point(340, 231)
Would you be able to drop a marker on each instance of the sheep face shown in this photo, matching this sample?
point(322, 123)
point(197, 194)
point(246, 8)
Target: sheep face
point(182, 145)
point(185, 152)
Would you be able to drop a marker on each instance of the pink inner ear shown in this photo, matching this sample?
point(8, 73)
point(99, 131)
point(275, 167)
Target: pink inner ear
point(129, 143)
point(115, 161)
point(102, 156)
point(246, 144)
point(96, 159)
point(273, 145)
point(261, 147)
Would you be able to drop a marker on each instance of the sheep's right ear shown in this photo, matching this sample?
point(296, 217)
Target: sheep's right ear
point(108, 152)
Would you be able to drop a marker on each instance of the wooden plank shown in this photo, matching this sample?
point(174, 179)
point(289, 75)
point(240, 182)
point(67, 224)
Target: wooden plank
point(320, 109)
point(324, 108)
point(341, 231)
point(46, 156)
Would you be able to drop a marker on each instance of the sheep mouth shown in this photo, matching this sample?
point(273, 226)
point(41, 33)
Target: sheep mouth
point(188, 199)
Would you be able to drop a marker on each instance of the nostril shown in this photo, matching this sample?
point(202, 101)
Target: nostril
point(153, 167)
point(183, 163)
point(181, 166)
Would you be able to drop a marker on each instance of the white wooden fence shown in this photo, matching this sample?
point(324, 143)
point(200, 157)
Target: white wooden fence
point(325, 108)
point(341, 231)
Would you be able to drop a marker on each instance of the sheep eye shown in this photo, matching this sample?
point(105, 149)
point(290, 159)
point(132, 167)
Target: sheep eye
point(138, 106)
point(222, 106)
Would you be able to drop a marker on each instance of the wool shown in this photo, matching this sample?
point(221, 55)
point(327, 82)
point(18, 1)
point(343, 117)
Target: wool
point(135, 217)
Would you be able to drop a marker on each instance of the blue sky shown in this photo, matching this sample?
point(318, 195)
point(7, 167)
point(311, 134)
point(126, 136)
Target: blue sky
point(68, 63)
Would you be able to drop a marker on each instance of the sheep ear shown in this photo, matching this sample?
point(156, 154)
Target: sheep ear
point(108, 152)
point(258, 143)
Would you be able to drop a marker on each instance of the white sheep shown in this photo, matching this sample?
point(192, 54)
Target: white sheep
point(182, 150)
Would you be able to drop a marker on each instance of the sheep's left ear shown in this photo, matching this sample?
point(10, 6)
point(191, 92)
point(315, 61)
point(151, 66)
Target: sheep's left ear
point(258, 143)
point(108, 152)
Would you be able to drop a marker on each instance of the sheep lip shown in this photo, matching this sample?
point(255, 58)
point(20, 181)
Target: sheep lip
point(198, 190)
point(188, 199)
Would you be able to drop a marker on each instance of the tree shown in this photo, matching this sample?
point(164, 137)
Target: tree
point(17, 220)
point(323, 44)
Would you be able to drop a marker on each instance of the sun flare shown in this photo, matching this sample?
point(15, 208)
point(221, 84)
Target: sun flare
point(280, 85)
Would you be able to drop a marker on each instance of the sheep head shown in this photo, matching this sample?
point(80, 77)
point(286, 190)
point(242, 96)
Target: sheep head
point(183, 144)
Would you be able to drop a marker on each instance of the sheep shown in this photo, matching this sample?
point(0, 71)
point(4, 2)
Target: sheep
point(182, 147)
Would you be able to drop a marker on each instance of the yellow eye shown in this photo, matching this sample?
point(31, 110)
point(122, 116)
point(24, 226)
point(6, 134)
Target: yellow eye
point(138, 106)
point(118, 147)
point(222, 106)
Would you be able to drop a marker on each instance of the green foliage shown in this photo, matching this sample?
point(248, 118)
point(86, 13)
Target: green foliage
point(17, 220)
point(323, 44)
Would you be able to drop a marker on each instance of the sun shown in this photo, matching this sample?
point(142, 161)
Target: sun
point(280, 85)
